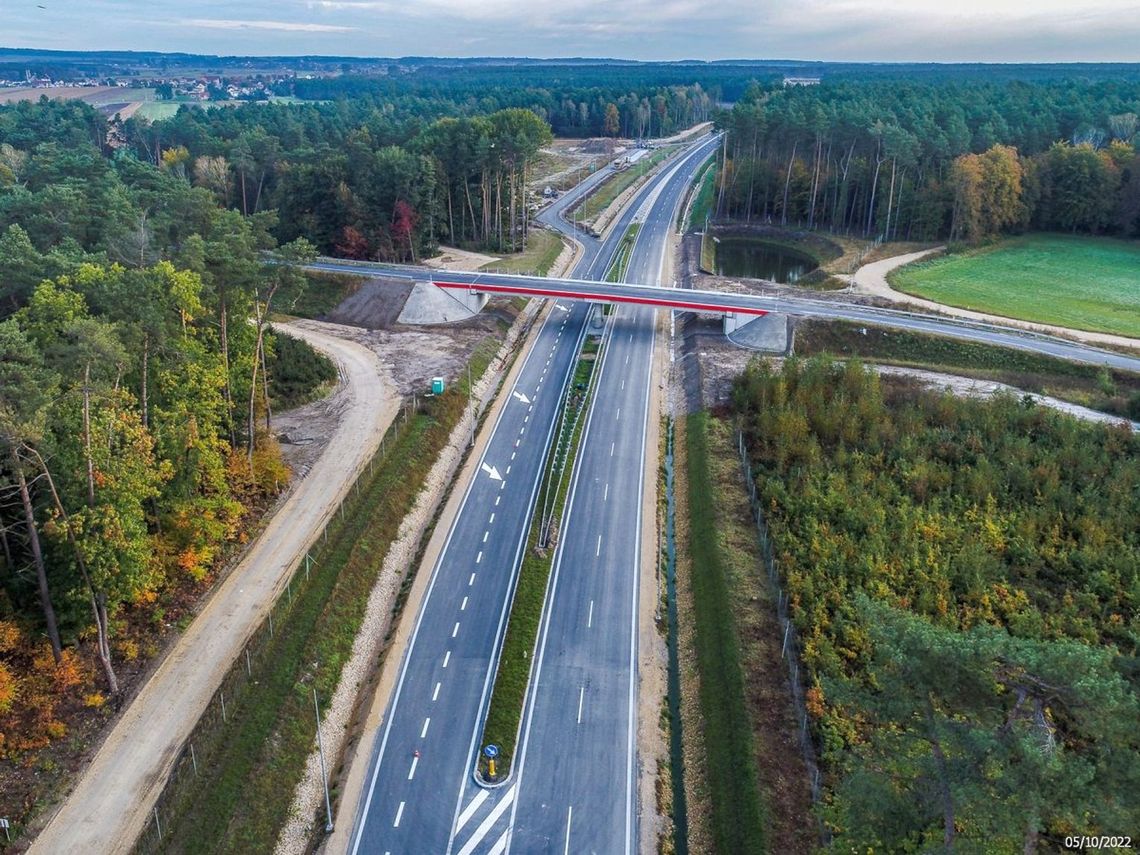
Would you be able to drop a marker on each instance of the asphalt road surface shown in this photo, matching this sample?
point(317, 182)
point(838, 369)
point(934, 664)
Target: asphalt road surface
point(420, 795)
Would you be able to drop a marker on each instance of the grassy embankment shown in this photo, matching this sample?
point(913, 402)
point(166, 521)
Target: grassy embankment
point(703, 195)
point(751, 792)
point(250, 767)
point(1116, 392)
point(1077, 282)
point(542, 250)
point(618, 183)
point(513, 674)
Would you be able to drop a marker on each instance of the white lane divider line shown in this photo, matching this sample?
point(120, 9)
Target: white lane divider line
point(623, 384)
point(598, 551)
point(611, 449)
point(581, 698)
point(479, 557)
point(471, 581)
point(606, 495)
point(435, 694)
point(455, 630)
point(487, 824)
point(503, 486)
point(399, 813)
point(447, 655)
point(412, 771)
point(463, 605)
point(508, 469)
point(423, 732)
point(618, 419)
point(497, 500)
point(590, 616)
point(513, 453)
point(492, 520)
point(472, 806)
point(569, 820)
point(485, 536)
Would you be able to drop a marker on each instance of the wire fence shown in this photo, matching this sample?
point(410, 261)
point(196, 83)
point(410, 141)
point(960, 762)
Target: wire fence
point(238, 692)
point(790, 649)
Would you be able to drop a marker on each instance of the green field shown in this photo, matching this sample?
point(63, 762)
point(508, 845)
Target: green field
point(1077, 282)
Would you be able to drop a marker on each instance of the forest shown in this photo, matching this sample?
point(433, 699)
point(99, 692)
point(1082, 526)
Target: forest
point(964, 160)
point(964, 577)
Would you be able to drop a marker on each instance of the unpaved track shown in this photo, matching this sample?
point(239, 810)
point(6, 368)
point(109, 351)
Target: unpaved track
point(111, 804)
point(871, 279)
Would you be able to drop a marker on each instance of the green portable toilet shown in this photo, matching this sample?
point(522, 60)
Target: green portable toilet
point(437, 385)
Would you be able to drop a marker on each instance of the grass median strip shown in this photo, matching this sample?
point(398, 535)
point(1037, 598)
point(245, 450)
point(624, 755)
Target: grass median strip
point(619, 182)
point(249, 765)
point(513, 674)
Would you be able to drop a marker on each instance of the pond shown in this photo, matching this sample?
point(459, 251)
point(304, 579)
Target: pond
point(759, 259)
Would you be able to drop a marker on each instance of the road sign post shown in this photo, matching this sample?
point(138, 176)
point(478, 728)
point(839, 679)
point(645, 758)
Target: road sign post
point(491, 752)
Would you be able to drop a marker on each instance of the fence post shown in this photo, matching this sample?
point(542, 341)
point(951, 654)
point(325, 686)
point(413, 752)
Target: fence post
point(157, 824)
point(194, 759)
point(248, 669)
point(271, 621)
point(222, 695)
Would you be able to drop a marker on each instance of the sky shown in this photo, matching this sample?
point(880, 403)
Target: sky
point(834, 30)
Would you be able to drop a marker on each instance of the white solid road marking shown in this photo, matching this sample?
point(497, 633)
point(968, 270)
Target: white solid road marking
point(399, 813)
point(471, 581)
point(581, 698)
point(435, 694)
point(569, 819)
point(487, 824)
point(500, 845)
point(598, 551)
point(590, 616)
point(463, 605)
point(469, 811)
point(423, 732)
point(455, 630)
point(412, 771)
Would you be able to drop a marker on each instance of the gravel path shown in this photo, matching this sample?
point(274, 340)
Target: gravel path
point(871, 280)
point(111, 803)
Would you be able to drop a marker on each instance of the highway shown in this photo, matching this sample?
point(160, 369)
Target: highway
point(420, 795)
point(577, 769)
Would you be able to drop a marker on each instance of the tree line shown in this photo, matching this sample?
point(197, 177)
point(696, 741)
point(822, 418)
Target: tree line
point(137, 376)
point(964, 161)
point(964, 577)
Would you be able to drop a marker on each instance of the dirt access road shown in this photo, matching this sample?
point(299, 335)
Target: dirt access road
point(111, 804)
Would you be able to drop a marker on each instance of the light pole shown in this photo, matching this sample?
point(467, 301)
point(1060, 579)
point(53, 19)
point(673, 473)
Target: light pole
point(324, 773)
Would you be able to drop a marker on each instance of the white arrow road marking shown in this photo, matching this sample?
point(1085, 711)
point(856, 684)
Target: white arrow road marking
point(521, 397)
point(493, 472)
point(560, 306)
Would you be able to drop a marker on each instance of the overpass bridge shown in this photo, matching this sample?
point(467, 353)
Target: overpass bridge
point(474, 288)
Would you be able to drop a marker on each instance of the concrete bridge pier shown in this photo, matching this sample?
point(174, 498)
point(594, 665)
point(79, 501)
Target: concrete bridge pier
point(769, 333)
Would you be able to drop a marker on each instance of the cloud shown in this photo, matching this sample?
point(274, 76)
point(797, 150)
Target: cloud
point(278, 26)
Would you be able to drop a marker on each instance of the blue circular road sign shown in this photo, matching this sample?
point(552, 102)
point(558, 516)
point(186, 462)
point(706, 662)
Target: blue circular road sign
point(491, 751)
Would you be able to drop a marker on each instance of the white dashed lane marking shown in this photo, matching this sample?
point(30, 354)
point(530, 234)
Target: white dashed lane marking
point(399, 813)
point(423, 732)
point(435, 694)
